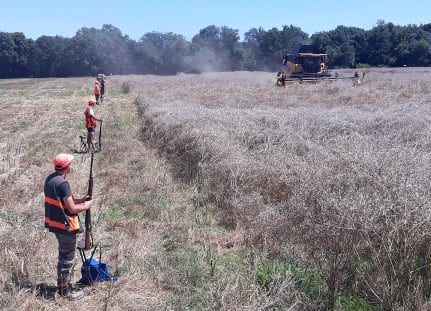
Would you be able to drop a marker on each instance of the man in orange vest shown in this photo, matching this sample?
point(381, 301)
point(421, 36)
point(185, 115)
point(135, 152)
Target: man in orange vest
point(96, 91)
point(61, 218)
point(91, 124)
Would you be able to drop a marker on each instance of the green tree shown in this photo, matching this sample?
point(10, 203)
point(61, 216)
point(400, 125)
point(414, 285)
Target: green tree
point(251, 49)
point(164, 53)
point(15, 52)
point(426, 27)
point(174, 53)
point(269, 47)
point(381, 42)
point(47, 56)
point(344, 45)
point(231, 47)
point(150, 50)
point(412, 46)
point(80, 58)
point(291, 37)
point(345, 55)
point(216, 49)
point(111, 49)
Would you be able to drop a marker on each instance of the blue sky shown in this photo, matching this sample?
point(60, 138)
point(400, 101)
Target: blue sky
point(133, 17)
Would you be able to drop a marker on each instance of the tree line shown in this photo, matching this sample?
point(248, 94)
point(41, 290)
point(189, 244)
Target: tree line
point(108, 50)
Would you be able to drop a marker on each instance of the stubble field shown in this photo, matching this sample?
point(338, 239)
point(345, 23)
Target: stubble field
point(222, 191)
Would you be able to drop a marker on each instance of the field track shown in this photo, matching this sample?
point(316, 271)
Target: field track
point(43, 117)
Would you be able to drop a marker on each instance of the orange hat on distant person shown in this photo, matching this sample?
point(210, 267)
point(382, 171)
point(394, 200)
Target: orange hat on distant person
point(62, 160)
point(91, 101)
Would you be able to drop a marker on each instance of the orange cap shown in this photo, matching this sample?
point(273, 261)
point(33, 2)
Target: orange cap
point(62, 160)
point(91, 101)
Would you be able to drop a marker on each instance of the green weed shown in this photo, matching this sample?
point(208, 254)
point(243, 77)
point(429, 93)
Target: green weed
point(8, 215)
point(306, 280)
point(197, 300)
point(39, 274)
point(150, 207)
point(115, 212)
point(271, 272)
point(80, 127)
point(233, 262)
point(121, 123)
point(353, 303)
point(194, 265)
point(115, 92)
point(142, 207)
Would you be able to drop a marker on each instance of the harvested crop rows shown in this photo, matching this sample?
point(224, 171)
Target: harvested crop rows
point(327, 175)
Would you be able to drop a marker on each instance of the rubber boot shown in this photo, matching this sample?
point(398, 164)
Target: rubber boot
point(70, 293)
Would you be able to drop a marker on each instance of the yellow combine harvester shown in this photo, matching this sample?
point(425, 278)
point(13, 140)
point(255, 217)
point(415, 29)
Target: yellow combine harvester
point(306, 66)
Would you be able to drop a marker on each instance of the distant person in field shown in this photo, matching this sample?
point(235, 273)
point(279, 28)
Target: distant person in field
point(101, 78)
point(91, 124)
point(61, 218)
point(357, 80)
point(96, 91)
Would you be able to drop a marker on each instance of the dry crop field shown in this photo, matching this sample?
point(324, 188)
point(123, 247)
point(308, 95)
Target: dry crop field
point(222, 191)
point(322, 177)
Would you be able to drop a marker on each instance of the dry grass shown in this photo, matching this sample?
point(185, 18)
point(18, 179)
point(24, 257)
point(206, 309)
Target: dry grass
point(329, 174)
point(47, 117)
point(274, 198)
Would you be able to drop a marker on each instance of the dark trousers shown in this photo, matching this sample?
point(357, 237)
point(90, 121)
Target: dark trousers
point(66, 255)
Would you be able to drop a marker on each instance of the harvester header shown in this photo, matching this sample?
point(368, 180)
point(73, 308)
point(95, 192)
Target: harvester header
point(307, 65)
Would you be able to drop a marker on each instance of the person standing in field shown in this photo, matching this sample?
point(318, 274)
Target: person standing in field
point(96, 91)
point(61, 218)
point(101, 79)
point(91, 124)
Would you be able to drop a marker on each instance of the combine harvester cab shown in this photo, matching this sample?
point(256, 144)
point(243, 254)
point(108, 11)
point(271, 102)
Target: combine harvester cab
point(306, 66)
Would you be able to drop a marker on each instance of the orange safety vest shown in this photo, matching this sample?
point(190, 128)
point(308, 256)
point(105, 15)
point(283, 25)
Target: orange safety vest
point(90, 121)
point(96, 90)
point(58, 219)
